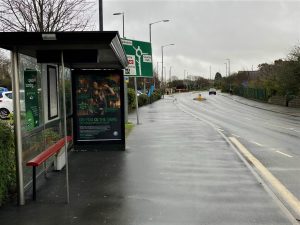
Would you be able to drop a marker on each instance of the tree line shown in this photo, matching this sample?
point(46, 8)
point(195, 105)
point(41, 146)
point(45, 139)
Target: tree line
point(281, 78)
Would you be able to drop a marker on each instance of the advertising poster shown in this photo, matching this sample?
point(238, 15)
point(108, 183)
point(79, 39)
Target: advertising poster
point(98, 106)
point(31, 99)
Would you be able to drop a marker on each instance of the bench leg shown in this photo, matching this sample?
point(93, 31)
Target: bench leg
point(33, 183)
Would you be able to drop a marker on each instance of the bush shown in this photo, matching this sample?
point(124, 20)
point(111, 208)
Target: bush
point(142, 99)
point(7, 162)
point(131, 98)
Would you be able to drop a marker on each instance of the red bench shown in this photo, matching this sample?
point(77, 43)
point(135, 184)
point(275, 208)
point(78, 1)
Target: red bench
point(42, 157)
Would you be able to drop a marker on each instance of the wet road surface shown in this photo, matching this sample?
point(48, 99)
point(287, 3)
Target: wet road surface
point(177, 169)
point(274, 138)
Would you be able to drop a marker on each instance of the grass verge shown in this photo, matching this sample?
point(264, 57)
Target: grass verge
point(128, 128)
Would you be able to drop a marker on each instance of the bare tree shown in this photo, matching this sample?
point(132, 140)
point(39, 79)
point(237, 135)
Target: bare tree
point(45, 15)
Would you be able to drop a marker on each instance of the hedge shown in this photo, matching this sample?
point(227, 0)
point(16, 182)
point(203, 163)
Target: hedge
point(7, 162)
point(143, 99)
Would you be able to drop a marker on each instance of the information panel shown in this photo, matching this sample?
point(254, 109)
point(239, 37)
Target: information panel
point(98, 106)
point(31, 99)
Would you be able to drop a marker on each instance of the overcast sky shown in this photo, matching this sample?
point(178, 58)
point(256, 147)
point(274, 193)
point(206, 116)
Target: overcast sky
point(205, 33)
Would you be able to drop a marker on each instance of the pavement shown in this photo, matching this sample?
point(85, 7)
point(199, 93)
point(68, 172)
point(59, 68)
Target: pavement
point(265, 106)
point(176, 169)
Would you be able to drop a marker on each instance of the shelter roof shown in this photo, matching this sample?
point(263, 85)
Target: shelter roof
point(86, 49)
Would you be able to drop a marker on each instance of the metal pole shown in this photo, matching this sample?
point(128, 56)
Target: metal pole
point(101, 15)
point(123, 18)
point(162, 70)
point(65, 126)
point(210, 72)
point(136, 102)
point(228, 67)
point(17, 126)
point(125, 84)
point(153, 75)
point(150, 32)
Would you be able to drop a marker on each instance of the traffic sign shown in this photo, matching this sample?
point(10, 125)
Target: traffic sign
point(139, 56)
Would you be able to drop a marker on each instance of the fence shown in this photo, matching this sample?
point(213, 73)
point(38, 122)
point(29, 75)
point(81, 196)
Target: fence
point(251, 93)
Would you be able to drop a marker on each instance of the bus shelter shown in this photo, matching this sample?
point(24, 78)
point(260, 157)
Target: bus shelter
point(65, 84)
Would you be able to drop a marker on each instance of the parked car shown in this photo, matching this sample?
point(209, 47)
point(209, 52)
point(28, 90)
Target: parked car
point(212, 91)
point(6, 104)
point(2, 89)
point(138, 93)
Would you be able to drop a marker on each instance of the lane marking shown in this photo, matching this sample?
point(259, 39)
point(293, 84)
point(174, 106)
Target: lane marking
point(282, 153)
point(293, 218)
point(235, 135)
point(260, 145)
point(282, 191)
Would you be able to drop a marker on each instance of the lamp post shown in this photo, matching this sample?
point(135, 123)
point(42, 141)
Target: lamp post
point(162, 60)
point(125, 84)
point(162, 64)
point(228, 66)
point(121, 13)
point(229, 75)
point(150, 26)
point(100, 15)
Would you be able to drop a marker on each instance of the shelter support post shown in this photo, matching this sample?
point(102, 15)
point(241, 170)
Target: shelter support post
point(65, 126)
point(17, 126)
point(136, 102)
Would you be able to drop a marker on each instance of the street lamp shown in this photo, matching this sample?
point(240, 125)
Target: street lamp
point(228, 67)
point(150, 25)
point(155, 23)
point(229, 75)
point(162, 61)
point(121, 13)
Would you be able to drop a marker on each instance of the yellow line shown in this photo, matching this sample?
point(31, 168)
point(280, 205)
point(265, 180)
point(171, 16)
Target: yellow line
point(284, 193)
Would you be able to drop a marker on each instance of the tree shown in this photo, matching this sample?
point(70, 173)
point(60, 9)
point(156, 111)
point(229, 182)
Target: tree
point(45, 15)
point(218, 76)
point(5, 79)
point(218, 80)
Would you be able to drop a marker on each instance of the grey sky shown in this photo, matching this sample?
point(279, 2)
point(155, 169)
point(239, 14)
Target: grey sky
point(207, 32)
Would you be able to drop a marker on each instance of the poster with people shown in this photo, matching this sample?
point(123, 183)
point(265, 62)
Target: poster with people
point(98, 106)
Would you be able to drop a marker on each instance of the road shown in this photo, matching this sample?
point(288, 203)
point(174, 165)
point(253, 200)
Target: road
point(273, 138)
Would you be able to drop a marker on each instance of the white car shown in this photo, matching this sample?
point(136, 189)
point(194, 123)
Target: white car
point(6, 104)
point(212, 91)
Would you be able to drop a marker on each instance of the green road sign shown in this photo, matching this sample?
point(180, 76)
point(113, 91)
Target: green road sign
point(139, 55)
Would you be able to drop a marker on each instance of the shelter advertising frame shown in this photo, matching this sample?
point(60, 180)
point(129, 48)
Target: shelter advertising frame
point(98, 109)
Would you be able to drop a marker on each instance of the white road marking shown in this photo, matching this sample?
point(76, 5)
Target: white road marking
point(285, 194)
point(235, 135)
point(247, 118)
point(282, 153)
point(254, 142)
